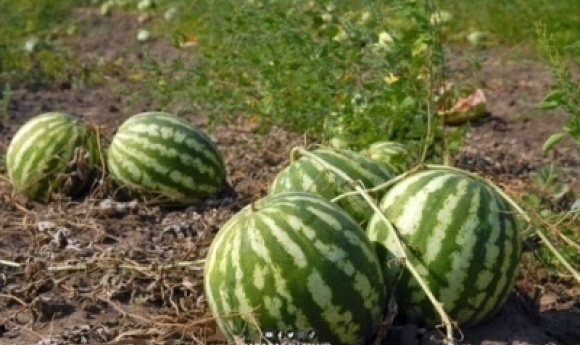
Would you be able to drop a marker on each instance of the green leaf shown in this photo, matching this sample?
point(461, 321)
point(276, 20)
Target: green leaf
point(573, 48)
point(552, 100)
point(575, 206)
point(548, 105)
point(552, 141)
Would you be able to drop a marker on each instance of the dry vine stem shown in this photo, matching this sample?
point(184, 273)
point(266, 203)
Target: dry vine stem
point(365, 195)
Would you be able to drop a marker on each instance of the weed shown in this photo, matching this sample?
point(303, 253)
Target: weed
point(350, 73)
point(565, 93)
point(28, 51)
point(548, 202)
point(4, 104)
point(510, 23)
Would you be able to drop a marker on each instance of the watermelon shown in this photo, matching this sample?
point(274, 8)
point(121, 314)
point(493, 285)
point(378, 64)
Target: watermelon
point(53, 153)
point(306, 174)
point(391, 153)
point(294, 261)
point(159, 155)
point(462, 237)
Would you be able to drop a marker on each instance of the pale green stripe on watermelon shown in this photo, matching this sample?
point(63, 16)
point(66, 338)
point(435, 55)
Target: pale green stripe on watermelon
point(277, 258)
point(148, 170)
point(184, 137)
point(344, 159)
point(167, 155)
point(461, 236)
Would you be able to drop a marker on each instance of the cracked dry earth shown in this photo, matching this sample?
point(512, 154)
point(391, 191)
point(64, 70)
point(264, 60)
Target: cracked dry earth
point(98, 271)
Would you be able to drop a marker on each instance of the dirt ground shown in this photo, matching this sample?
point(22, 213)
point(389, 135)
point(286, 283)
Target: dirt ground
point(98, 271)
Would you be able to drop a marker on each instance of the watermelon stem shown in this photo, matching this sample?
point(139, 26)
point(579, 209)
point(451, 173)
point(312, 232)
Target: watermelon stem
point(402, 254)
point(294, 154)
point(253, 203)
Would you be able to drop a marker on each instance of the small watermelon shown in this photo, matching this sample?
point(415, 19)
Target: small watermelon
point(53, 153)
point(391, 153)
point(306, 174)
point(159, 155)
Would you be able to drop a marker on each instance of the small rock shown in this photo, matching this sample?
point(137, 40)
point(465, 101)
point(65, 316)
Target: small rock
point(45, 225)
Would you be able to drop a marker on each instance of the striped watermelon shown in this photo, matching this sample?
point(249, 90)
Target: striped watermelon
point(159, 155)
point(305, 174)
point(391, 153)
point(463, 239)
point(52, 153)
point(295, 261)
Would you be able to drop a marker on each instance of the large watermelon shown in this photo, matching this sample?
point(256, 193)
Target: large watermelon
point(295, 261)
point(52, 153)
point(159, 155)
point(306, 174)
point(461, 236)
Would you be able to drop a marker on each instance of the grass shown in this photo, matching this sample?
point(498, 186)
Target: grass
point(350, 73)
point(312, 68)
point(513, 23)
point(30, 51)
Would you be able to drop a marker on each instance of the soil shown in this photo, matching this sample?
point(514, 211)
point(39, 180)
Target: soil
point(96, 270)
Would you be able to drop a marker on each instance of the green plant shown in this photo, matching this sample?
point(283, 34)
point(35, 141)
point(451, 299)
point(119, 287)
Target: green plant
point(5, 103)
point(563, 230)
point(565, 93)
point(350, 71)
point(507, 23)
point(546, 178)
point(29, 51)
point(548, 204)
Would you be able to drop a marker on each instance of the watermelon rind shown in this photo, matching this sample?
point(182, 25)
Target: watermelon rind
point(294, 261)
point(53, 153)
point(308, 175)
point(157, 155)
point(460, 235)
